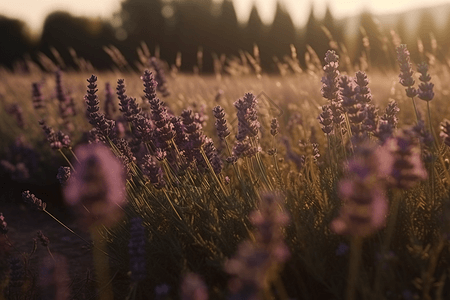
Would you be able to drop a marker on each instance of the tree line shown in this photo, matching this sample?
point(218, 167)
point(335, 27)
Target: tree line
point(187, 26)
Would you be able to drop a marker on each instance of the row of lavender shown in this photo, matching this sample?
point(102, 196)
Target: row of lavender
point(155, 180)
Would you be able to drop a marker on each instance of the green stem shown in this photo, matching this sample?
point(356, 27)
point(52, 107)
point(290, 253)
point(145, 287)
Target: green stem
point(101, 266)
point(389, 234)
point(415, 110)
point(68, 161)
point(355, 261)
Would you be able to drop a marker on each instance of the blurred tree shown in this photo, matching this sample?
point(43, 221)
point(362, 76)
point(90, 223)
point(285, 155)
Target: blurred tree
point(401, 28)
point(444, 41)
point(281, 35)
point(229, 35)
point(335, 29)
point(426, 27)
point(254, 30)
point(194, 27)
point(15, 41)
point(142, 20)
point(370, 41)
point(86, 36)
point(314, 35)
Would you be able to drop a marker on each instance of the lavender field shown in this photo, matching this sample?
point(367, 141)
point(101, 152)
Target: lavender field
point(324, 182)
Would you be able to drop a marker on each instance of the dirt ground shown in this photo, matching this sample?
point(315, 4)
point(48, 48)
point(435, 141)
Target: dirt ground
point(24, 223)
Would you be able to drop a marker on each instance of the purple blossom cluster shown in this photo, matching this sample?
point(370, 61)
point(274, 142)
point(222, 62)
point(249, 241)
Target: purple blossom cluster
point(57, 140)
point(364, 205)
point(256, 262)
point(104, 126)
point(98, 184)
point(406, 72)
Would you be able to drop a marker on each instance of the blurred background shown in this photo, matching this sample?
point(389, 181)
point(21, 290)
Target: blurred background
point(189, 29)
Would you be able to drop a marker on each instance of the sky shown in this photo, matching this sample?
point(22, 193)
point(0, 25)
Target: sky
point(33, 12)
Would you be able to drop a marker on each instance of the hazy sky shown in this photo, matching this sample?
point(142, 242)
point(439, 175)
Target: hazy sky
point(34, 12)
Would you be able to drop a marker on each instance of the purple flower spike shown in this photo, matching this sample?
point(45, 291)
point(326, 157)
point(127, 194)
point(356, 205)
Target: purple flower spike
point(408, 168)
point(110, 106)
point(248, 125)
point(406, 72)
point(445, 132)
point(274, 125)
point(330, 81)
point(98, 120)
point(221, 123)
point(150, 85)
point(33, 201)
point(63, 174)
point(154, 172)
point(38, 101)
point(254, 262)
point(363, 193)
point(425, 91)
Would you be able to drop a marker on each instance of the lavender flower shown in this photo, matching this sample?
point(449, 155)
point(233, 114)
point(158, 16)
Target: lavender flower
point(38, 101)
point(193, 129)
point(18, 171)
point(363, 95)
point(3, 225)
point(371, 121)
point(180, 136)
point(388, 122)
point(406, 71)
point(445, 132)
point(98, 120)
point(347, 91)
point(97, 184)
point(63, 174)
point(213, 156)
point(160, 77)
point(330, 84)
point(136, 250)
point(363, 193)
point(65, 109)
point(248, 125)
point(221, 123)
point(425, 91)
point(149, 85)
point(57, 140)
point(43, 239)
point(153, 171)
point(408, 168)
point(164, 128)
point(193, 288)
point(123, 98)
point(274, 125)
point(33, 201)
point(254, 263)
point(16, 111)
point(326, 119)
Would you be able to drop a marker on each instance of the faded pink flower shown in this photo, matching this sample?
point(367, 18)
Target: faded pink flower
point(97, 187)
point(364, 206)
point(364, 209)
point(193, 288)
point(407, 169)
